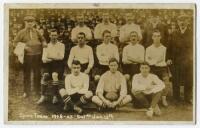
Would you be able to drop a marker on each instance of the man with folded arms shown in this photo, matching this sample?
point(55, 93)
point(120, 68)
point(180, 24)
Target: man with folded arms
point(76, 93)
point(52, 58)
point(132, 56)
point(156, 57)
point(111, 90)
point(104, 52)
point(83, 53)
point(147, 89)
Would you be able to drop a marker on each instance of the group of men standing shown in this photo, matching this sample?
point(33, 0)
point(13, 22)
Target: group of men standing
point(145, 70)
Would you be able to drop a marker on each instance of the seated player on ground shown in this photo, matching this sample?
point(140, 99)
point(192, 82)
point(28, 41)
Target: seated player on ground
point(52, 58)
point(147, 89)
point(76, 93)
point(111, 90)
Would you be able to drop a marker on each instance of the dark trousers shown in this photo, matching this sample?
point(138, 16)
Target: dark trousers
point(101, 69)
point(182, 74)
point(159, 71)
point(145, 101)
point(130, 69)
point(32, 63)
point(84, 67)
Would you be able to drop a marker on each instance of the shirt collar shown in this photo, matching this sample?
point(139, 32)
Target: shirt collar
point(183, 30)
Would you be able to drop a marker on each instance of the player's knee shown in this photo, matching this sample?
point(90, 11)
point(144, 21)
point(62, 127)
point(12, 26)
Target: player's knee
point(45, 76)
point(95, 99)
point(127, 77)
point(55, 76)
point(89, 94)
point(97, 78)
point(128, 98)
point(62, 92)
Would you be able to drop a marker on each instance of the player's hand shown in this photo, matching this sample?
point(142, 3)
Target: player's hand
point(114, 104)
point(87, 71)
point(27, 48)
point(108, 103)
point(149, 87)
point(169, 62)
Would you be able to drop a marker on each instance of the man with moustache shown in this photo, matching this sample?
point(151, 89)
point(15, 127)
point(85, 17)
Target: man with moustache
point(132, 56)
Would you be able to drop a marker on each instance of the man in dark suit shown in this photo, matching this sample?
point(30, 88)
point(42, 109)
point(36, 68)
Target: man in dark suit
point(181, 54)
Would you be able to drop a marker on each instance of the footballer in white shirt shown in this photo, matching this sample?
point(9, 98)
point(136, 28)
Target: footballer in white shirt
point(76, 92)
point(147, 89)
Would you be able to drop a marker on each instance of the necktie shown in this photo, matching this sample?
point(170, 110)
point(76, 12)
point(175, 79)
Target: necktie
point(31, 34)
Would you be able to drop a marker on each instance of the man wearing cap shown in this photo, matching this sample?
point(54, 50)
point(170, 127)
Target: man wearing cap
point(81, 27)
point(32, 59)
point(181, 54)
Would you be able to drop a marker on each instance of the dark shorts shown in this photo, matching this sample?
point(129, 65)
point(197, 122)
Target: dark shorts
point(76, 97)
point(54, 66)
point(84, 67)
point(101, 69)
point(130, 69)
point(159, 71)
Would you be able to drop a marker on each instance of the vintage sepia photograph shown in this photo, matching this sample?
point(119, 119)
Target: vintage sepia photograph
point(100, 63)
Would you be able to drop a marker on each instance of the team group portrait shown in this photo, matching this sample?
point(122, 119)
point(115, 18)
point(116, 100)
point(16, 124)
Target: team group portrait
point(103, 64)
